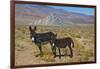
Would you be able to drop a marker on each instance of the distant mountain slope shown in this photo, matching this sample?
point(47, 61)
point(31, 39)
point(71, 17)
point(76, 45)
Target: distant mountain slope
point(45, 15)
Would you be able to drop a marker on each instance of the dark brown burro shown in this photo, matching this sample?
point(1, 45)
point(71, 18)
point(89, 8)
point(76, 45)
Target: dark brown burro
point(62, 43)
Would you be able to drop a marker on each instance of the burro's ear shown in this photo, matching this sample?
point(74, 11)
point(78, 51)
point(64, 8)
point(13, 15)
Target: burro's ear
point(34, 28)
point(30, 28)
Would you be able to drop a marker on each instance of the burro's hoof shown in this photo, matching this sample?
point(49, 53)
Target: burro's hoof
point(71, 56)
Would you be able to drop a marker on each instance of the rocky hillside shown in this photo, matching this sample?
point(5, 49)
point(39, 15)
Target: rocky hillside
point(46, 15)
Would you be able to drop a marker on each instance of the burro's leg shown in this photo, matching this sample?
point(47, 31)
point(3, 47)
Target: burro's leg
point(71, 51)
point(40, 48)
point(59, 53)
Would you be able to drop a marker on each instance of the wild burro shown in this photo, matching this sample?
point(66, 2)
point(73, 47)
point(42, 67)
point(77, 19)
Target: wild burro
point(58, 43)
point(40, 38)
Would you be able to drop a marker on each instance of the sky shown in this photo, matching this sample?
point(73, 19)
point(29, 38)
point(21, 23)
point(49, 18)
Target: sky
point(87, 11)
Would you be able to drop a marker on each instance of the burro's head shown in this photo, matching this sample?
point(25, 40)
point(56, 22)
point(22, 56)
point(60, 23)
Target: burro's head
point(32, 32)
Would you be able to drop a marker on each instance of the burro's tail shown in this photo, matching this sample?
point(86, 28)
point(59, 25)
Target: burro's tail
point(72, 43)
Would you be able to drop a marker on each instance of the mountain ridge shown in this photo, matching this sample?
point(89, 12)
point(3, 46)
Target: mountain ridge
point(46, 15)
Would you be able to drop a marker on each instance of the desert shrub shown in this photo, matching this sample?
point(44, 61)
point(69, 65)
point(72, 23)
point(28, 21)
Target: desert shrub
point(48, 57)
point(75, 35)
